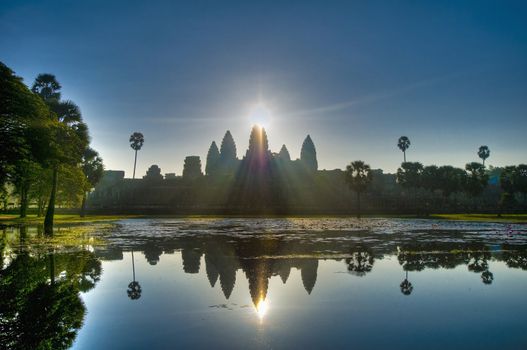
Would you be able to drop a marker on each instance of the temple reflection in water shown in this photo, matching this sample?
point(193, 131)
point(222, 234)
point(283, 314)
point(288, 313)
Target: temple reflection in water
point(264, 256)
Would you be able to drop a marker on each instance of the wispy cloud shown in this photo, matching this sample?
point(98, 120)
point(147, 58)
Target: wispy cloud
point(345, 105)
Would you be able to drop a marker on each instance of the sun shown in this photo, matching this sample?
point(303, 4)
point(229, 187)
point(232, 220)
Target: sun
point(260, 115)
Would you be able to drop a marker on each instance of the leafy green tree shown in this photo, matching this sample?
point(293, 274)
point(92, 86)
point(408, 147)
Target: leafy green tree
point(521, 180)
point(477, 179)
point(358, 177)
point(136, 142)
point(483, 153)
point(403, 143)
point(25, 122)
point(308, 154)
point(429, 178)
point(93, 168)
point(409, 175)
point(509, 184)
point(450, 180)
point(507, 179)
point(40, 188)
point(70, 186)
point(21, 179)
point(213, 158)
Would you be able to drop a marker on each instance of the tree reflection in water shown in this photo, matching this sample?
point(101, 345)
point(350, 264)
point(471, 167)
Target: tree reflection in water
point(406, 286)
point(487, 277)
point(134, 288)
point(361, 261)
point(40, 305)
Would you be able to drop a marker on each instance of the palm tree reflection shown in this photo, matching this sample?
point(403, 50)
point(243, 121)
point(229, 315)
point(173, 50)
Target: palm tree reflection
point(487, 277)
point(406, 286)
point(361, 261)
point(134, 288)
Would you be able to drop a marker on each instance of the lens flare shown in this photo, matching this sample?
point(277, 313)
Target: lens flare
point(260, 115)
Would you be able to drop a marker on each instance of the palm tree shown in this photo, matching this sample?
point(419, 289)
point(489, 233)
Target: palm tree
point(136, 142)
point(47, 87)
point(134, 288)
point(483, 153)
point(403, 144)
point(70, 139)
point(358, 177)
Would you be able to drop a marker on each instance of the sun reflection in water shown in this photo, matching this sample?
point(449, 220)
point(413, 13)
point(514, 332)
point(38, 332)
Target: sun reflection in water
point(261, 308)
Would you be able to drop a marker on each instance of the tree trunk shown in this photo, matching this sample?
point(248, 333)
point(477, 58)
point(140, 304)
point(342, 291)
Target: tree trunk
point(24, 200)
point(135, 162)
point(83, 205)
point(40, 209)
point(358, 205)
point(50, 213)
point(404, 154)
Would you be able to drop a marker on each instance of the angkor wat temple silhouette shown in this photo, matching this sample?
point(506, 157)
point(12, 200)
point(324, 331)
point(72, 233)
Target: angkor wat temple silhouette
point(265, 183)
point(261, 182)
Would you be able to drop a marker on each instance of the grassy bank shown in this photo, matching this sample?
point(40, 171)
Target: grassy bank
point(61, 219)
point(507, 218)
point(76, 219)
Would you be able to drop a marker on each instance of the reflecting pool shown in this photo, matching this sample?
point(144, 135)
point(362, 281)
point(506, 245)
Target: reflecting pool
point(265, 283)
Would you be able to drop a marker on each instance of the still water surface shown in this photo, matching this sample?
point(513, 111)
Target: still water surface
point(266, 283)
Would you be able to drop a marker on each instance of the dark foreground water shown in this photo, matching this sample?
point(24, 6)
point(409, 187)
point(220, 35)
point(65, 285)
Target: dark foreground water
point(265, 283)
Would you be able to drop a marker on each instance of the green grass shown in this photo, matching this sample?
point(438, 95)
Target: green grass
point(512, 218)
point(61, 219)
point(76, 219)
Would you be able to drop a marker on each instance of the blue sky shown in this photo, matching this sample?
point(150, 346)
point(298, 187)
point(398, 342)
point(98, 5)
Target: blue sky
point(355, 75)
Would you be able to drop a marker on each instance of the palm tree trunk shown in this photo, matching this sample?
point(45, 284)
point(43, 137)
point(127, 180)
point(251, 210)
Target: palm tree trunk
point(83, 205)
point(404, 154)
point(135, 162)
point(133, 265)
point(50, 213)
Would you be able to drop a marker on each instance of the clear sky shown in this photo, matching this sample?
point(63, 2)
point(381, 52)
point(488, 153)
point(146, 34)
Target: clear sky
point(355, 75)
